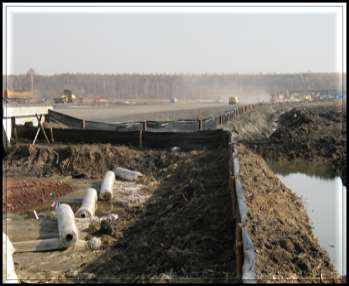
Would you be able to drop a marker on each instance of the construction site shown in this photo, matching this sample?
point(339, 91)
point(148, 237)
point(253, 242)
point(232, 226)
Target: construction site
point(174, 143)
point(188, 200)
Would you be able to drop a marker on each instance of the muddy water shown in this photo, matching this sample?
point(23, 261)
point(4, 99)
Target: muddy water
point(324, 197)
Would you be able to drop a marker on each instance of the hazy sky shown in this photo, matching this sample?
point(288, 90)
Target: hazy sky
point(172, 43)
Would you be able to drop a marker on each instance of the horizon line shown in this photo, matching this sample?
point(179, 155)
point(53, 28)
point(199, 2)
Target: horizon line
point(178, 74)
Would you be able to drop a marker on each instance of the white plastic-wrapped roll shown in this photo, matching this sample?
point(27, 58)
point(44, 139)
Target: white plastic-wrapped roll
point(88, 206)
point(68, 232)
point(126, 174)
point(9, 275)
point(106, 191)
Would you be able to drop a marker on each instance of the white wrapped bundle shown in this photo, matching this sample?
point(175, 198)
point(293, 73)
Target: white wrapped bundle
point(88, 206)
point(106, 191)
point(127, 174)
point(68, 232)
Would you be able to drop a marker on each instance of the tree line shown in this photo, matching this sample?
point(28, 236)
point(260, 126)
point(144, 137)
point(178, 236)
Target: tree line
point(122, 86)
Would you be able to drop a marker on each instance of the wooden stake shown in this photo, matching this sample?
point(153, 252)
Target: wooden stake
point(42, 128)
point(52, 139)
point(36, 135)
point(200, 124)
point(14, 129)
point(140, 138)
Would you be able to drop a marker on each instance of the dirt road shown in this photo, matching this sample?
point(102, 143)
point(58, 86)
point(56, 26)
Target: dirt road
point(155, 111)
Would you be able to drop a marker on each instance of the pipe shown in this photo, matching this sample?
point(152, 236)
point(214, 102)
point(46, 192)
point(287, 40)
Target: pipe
point(88, 206)
point(9, 275)
point(106, 191)
point(68, 232)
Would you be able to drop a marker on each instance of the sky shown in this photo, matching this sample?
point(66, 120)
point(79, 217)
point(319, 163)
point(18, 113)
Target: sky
point(109, 43)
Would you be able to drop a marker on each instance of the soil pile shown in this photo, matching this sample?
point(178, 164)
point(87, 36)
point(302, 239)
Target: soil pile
point(286, 249)
point(311, 133)
point(183, 230)
point(85, 161)
point(24, 194)
point(256, 124)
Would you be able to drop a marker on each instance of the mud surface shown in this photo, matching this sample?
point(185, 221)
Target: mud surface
point(286, 249)
point(23, 194)
point(175, 223)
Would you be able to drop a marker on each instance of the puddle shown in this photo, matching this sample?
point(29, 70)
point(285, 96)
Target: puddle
point(324, 197)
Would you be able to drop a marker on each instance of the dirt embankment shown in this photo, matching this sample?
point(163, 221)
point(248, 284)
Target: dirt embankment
point(256, 124)
point(286, 249)
point(84, 161)
point(315, 133)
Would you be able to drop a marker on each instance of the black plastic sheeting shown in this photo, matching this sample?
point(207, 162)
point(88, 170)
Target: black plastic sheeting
point(180, 125)
point(185, 140)
point(209, 124)
point(173, 126)
point(127, 126)
point(68, 120)
point(80, 136)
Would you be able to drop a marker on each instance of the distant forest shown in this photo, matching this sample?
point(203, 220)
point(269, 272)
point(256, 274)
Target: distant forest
point(122, 86)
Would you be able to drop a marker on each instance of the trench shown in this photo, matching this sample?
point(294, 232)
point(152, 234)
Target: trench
point(324, 197)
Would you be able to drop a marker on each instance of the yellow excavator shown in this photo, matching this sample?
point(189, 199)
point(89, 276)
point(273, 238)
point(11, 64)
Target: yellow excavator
point(66, 97)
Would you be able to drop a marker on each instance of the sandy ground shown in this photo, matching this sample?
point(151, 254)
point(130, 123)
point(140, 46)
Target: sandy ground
point(156, 111)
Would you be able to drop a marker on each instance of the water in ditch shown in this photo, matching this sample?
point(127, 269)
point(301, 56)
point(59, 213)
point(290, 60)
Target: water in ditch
point(324, 197)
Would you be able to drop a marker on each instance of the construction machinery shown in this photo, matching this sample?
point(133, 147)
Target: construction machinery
point(173, 99)
point(308, 98)
point(18, 96)
point(66, 97)
point(233, 100)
